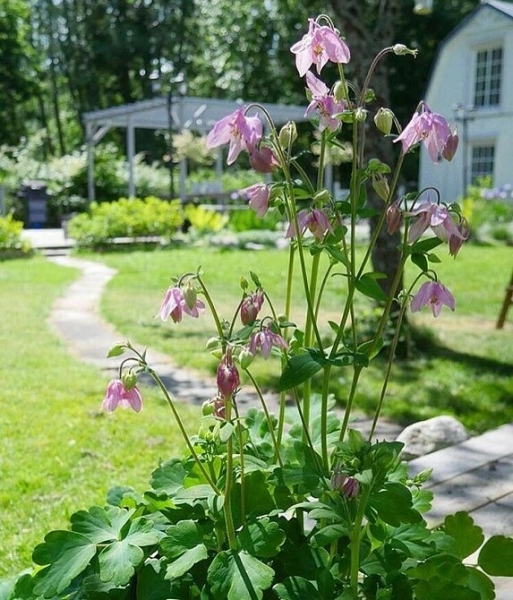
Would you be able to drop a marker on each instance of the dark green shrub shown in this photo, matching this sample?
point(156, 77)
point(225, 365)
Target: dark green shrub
point(126, 218)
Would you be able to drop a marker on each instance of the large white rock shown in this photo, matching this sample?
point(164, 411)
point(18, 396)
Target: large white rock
point(431, 435)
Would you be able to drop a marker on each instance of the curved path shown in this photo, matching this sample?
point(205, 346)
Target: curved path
point(76, 319)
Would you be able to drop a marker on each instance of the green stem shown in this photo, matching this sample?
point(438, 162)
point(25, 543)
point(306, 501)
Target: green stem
point(355, 537)
point(228, 515)
point(350, 401)
point(181, 427)
point(324, 417)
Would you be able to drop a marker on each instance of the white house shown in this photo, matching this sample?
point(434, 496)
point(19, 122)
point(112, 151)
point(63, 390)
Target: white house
point(472, 85)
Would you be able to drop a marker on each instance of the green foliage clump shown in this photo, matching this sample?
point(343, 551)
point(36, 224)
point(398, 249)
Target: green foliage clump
point(204, 220)
point(248, 220)
point(11, 243)
point(490, 211)
point(126, 218)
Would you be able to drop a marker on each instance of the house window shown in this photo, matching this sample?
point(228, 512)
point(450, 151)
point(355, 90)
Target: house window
point(483, 161)
point(487, 91)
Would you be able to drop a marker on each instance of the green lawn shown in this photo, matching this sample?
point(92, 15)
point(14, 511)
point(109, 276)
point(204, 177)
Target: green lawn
point(58, 451)
point(460, 365)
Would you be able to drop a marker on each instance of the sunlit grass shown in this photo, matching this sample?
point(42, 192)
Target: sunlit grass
point(58, 452)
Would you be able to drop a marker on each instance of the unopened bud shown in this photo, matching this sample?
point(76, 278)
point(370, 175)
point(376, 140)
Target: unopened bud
point(402, 50)
point(190, 295)
point(451, 145)
point(394, 218)
point(380, 186)
point(361, 114)
point(245, 358)
point(207, 408)
point(340, 91)
point(129, 379)
point(322, 197)
point(384, 119)
point(288, 134)
point(228, 379)
point(116, 350)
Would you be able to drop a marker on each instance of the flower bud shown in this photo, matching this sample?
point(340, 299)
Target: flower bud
point(246, 358)
point(384, 119)
point(347, 486)
point(402, 50)
point(340, 91)
point(129, 379)
point(381, 187)
point(228, 379)
point(207, 408)
point(361, 114)
point(190, 295)
point(116, 350)
point(394, 218)
point(288, 134)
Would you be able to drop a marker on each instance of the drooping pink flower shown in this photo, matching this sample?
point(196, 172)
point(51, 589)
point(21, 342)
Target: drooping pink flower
point(264, 340)
point(228, 380)
point(172, 305)
point(176, 303)
point(438, 217)
point(315, 220)
point(394, 217)
point(118, 395)
point(432, 294)
point(456, 240)
point(238, 130)
point(323, 103)
point(250, 307)
point(320, 45)
point(262, 160)
point(451, 145)
point(258, 195)
point(427, 127)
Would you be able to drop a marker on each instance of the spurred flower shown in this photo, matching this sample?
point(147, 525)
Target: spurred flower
point(238, 130)
point(250, 307)
point(432, 294)
point(265, 339)
point(172, 305)
point(176, 303)
point(323, 103)
point(118, 395)
point(438, 217)
point(258, 195)
point(451, 145)
point(228, 379)
point(315, 220)
point(262, 160)
point(394, 217)
point(427, 127)
point(320, 45)
point(456, 240)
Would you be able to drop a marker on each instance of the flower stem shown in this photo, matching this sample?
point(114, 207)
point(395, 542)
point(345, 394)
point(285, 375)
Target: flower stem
point(228, 515)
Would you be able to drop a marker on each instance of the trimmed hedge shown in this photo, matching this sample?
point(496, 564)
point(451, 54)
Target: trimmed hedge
point(11, 243)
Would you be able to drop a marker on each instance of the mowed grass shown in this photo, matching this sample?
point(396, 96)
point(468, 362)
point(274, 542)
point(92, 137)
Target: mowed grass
point(460, 363)
point(58, 452)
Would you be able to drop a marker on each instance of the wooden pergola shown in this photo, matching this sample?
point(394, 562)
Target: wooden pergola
point(168, 114)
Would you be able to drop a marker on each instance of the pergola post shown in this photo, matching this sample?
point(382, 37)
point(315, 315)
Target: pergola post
point(130, 145)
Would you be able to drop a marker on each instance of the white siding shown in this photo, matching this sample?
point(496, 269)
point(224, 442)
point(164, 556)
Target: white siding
point(452, 83)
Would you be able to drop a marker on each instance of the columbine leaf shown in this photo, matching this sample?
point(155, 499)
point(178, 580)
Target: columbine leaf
point(496, 556)
point(169, 477)
point(298, 369)
point(236, 575)
point(297, 588)
point(467, 536)
point(262, 538)
point(100, 525)
point(68, 554)
point(394, 505)
point(184, 545)
point(420, 260)
point(368, 286)
point(119, 559)
point(427, 245)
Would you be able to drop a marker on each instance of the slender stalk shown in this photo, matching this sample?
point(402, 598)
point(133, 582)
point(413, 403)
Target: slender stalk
point(324, 417)
point(355, 537)
point(228, 515)
point(350, 400)
point(242, 466)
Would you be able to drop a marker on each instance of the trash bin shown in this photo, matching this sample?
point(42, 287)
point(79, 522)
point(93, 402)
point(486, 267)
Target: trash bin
point(34, 197)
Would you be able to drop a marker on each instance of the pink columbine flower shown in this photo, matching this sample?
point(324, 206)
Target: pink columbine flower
point(434, 295)
point(118, 395)
point(346, 485)
point(456, 240)
point(438, 217)
point(172, 305)
point(175, 303)
point(264, 340)
point(238, 130)
point(262, 160)
point(258, 195)
point(315, 220)
point(324, 103)
point(394, 217)
point(250, 307)
point(320, 45)
point(228, 380)
point(451, 145)
point(427, 127)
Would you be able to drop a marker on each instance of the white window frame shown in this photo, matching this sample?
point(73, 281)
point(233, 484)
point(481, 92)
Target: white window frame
point(488, 151)
point(488, 76)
